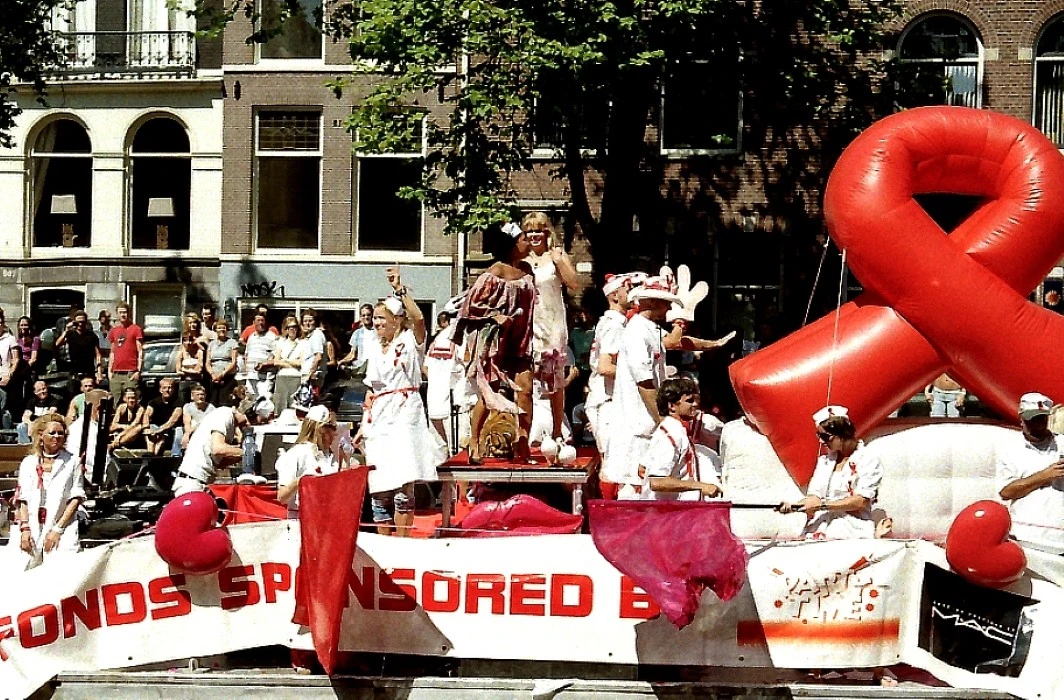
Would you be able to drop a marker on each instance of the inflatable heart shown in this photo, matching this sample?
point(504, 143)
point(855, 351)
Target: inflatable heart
point(978, 548)
point(188, 538)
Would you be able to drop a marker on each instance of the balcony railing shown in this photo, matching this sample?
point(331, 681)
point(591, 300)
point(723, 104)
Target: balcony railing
point(101, 54)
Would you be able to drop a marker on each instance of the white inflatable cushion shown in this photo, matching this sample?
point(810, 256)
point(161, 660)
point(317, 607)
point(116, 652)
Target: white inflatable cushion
point(931, 471)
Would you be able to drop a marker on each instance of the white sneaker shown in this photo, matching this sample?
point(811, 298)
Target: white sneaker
point(257, 479)
point(248, 479)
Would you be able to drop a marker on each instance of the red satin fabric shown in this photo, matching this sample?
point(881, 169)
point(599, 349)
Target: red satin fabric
point(935, 303)
point(519, 515)
point(329, 510)
point(250, 503)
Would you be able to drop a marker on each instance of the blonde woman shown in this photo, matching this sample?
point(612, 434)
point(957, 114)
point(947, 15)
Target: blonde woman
point(398, 440)
point(550, 332)
point(312, 455)
point(50, 488)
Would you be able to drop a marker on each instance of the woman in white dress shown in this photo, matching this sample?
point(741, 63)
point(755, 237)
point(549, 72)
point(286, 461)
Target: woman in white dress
point(287, 360)
point(312, 455)
point(550, 332)
point(845, 483)
point(398, 441)
point(50, 487)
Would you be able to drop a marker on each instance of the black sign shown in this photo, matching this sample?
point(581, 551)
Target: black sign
point(978, 629)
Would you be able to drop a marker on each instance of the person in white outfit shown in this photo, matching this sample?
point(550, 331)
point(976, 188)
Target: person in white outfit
point(603, 361)
point(258, 352)
point(311, 455)
point(1030, 477)
point(552, 270)
point(446, 374)
point(212, 446)
point(50, 488)
point(680, 462)
point(398, 441)
point(845, 482)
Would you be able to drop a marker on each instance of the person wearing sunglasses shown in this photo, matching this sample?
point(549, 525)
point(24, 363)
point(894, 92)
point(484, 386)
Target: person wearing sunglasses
point(845, 483)
point(50, 488)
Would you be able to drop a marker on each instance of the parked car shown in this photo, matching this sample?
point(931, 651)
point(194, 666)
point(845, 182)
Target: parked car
point(160, 362)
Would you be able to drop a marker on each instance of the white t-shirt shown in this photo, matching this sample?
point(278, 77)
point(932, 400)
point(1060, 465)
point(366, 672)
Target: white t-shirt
point(683, 452)
point(315, 346)
point(1038, 517)
point(198, 461)
point(303, 459)
point(607, 341)
point(258, 349)
point(7, 345)
point(359, 339)
point(445, 374)
point(641, 358)
point(861, 476)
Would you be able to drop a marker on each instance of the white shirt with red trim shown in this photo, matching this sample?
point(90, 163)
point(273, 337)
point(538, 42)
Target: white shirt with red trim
point(303, 459)
point(1038, 517)
point(860, 475)
point(683, 451)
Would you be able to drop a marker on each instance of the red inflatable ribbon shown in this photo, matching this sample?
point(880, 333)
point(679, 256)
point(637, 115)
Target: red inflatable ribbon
point(935, 302)
point(673, 550)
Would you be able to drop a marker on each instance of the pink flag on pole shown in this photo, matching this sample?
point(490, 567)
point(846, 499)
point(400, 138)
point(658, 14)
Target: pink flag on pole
point(673, 550)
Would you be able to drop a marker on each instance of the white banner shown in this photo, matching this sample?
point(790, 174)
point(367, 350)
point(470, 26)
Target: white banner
point(840, 604)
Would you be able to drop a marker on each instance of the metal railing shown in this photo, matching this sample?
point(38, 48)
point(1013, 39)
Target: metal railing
point(126, 53)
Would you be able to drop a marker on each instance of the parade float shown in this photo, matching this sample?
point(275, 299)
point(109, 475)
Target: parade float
point(948, 592)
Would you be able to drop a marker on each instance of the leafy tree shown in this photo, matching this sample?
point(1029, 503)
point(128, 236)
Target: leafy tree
point(27, 49)
point(590, 71)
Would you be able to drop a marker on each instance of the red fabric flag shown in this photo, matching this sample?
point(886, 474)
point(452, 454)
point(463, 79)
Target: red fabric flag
point(673, 550)
point(329, 511)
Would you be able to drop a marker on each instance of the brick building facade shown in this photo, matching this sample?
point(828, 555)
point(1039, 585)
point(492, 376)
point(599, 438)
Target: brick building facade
point(279, 209)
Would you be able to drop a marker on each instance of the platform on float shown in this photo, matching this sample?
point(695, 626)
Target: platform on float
point(188, 685)
point(536, 471)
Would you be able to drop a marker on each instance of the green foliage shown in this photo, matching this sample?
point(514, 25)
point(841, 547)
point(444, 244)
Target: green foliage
point(28, 48)
point(508, 71)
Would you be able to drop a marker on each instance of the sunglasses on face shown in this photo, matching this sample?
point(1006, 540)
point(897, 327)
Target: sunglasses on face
point(54, 433)
point(825, 437)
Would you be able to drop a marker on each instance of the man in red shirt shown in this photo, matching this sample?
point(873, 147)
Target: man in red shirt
point(127, 352)
point(246, 333)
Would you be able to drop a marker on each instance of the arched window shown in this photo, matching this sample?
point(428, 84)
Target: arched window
point(1049, 82)
point(160, 181)
point(942, 63)
point(61, 186)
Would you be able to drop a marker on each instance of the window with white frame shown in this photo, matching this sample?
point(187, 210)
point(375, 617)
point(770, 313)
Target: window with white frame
point(386, 220)
point(1049, 82)
point(61, 186)
point(701, 108)
point(300, 34)
point(288, 179)
point(942, 55)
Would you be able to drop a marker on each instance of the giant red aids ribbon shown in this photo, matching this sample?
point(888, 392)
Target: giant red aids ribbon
point(934, 302)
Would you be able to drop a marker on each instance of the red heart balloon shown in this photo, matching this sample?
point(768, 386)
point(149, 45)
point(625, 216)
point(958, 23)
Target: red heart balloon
point(978, 548)
point(188, 538)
